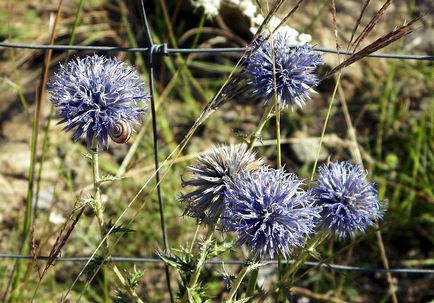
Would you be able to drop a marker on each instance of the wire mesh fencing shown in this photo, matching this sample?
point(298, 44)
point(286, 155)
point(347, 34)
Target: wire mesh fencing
point(157, 50)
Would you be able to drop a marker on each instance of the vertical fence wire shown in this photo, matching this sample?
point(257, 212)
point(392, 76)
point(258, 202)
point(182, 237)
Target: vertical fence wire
point(151, 46)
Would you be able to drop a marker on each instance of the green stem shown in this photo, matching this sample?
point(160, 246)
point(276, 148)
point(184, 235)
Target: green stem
point(194, 238)
point(302, 257)
point(268, 113)
point(279, 150)
point(276, 105)
point(325, 124)
point(237, 283)
point(99, 213)
point(252, 284)
point(123, 282)
point(279, 278)
point(201, 262)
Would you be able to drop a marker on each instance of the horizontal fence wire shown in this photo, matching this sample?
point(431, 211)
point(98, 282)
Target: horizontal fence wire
point(411, 271)
point(162, 49)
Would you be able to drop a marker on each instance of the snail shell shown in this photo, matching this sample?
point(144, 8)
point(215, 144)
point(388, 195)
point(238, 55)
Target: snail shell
point(121, 132)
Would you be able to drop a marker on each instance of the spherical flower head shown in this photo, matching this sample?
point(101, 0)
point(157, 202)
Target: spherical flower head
point(94, 94)
point(269, 212)
point(294, 67)
point(208, 178)
point(349, 202)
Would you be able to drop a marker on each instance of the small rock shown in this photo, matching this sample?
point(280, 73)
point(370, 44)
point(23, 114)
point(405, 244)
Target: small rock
point(17, 128)
point(306, 149)
point(14, 159)
point(45, 198)
point(56, 218)
point(266, 276)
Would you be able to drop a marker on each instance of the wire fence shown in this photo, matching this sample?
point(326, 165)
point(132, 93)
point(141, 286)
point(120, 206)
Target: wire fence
point(409, 271)
point(163, 50)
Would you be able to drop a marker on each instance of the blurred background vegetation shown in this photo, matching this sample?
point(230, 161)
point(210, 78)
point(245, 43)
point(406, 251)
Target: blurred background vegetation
point(389, 103)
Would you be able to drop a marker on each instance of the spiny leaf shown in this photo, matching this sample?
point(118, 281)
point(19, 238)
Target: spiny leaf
point(133, 278)
point(314, 254)
point(118, 229)
point(94, 265)
point(220, 248)
point(193, 296)
point(197, 295)
point(184, 263)
point(185, 251)
point(87, 156)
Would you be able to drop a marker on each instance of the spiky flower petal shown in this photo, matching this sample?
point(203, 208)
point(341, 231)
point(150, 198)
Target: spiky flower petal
point(269, 212)
point(349, 202)
point(94, 93)
point(208, 178)
point(294, 67)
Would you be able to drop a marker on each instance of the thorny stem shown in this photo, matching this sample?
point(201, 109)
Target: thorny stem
point(302, 257)
point(201, 262)
point(237, 283)
point(99, 213)
point(252, 284)
point(122, 280)
point(194, 237)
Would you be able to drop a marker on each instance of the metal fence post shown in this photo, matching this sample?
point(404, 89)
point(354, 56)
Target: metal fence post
point(152, 49)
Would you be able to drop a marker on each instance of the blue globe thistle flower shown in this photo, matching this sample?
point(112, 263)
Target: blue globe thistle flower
point(349, 202)
point(208, 177)
point(269, 212)
point(294, 70)
point(95, 95)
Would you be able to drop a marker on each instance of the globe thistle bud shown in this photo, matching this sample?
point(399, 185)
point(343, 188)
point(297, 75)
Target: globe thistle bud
point(208, 178)
point(294, 68)
point(348, 201)
point(95, 95)
point(269, 212)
